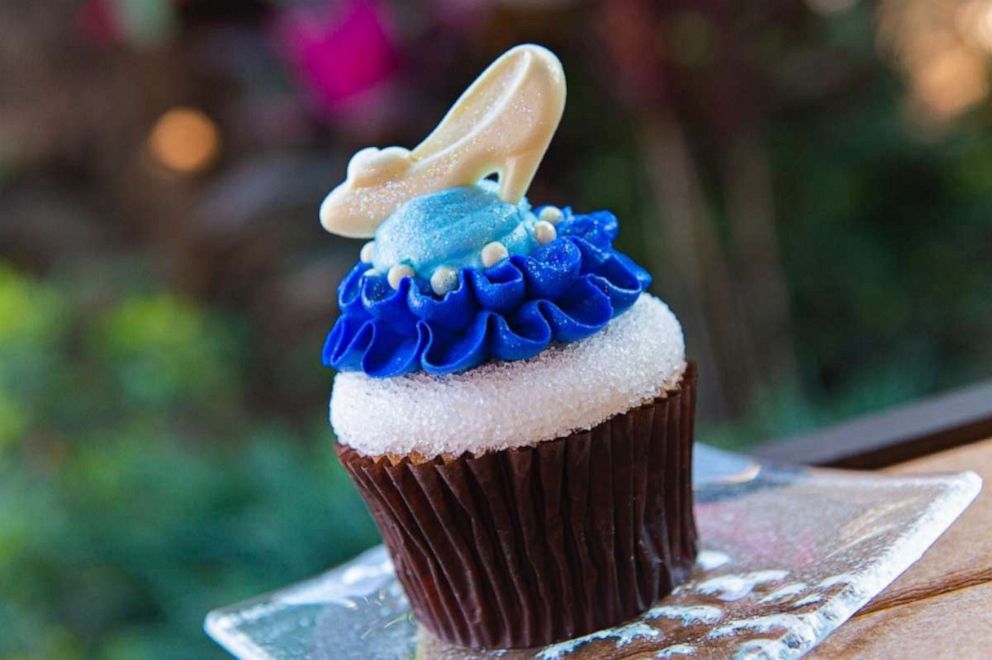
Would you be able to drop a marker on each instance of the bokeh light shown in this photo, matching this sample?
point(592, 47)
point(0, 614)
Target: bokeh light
point(951, 81)
point(941, 47)
point(974, 20)
point(184, 140)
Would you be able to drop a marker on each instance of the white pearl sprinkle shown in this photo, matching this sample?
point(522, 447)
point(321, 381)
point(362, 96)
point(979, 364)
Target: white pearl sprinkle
point(371, 272)
point(544, 232)
point(366, 254)
point(443, 280)
point(397, 273)
point(493, 253)
point(551, 214)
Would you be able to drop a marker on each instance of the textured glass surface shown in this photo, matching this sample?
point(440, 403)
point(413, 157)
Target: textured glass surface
point(788, 554)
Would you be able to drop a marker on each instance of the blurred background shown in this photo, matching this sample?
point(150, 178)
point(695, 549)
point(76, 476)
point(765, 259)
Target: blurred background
point(810, 181)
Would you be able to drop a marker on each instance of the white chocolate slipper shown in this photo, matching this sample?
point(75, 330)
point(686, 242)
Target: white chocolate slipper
point(501, 124)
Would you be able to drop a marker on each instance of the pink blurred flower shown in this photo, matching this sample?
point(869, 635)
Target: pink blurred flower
point(338, 52)
point(98, 21)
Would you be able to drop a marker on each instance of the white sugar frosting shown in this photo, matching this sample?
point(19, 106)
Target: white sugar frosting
point(499, 405)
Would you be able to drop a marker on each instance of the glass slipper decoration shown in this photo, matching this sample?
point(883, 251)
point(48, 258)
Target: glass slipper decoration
point(502, 124)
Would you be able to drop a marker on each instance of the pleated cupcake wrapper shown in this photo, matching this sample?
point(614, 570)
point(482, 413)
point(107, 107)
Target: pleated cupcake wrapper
point(526, 547)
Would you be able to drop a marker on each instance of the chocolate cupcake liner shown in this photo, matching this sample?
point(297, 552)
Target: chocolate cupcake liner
point(529, 546)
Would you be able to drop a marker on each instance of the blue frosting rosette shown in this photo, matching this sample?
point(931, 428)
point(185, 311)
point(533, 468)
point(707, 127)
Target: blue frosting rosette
point(561, 292)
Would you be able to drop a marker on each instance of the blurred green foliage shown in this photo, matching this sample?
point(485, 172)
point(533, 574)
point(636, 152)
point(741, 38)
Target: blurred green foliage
point(887, 253)
point(137, 489)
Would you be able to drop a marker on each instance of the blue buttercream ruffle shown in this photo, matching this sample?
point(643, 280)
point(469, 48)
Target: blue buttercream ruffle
point(562, 292)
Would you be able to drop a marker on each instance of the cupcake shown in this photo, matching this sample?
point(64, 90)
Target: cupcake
point(513, 406)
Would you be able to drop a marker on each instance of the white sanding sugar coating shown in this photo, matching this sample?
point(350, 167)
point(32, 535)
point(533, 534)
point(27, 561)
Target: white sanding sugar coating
point(498, 405)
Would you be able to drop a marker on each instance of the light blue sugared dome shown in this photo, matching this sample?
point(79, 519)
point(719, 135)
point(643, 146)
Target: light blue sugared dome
point(450, 227)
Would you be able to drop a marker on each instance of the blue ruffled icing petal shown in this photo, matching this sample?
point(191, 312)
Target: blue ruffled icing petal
point(582, 312)
point(388, 304)
point(372, 289)
point(500, 288)
point(643, 276)
point(525, 336)
point(390, 353)
point(346, 344)
point(620, 299)
point(453, 311)
point(593, 257)
point(599, 228)
point(350, 290)
point(339, 334)
point(444, 353)
point(550, 270)
point(619, 282)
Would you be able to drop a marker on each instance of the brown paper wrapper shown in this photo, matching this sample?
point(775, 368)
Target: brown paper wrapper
point(526, 547)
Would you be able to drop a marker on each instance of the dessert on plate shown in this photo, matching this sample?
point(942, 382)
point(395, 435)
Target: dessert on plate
point(513, 406)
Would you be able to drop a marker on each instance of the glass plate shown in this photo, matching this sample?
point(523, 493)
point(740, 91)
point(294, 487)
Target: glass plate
point(788, 554)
